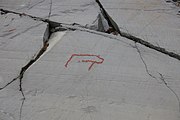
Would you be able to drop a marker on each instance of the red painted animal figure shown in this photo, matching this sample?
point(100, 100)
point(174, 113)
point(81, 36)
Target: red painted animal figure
point(88, 58)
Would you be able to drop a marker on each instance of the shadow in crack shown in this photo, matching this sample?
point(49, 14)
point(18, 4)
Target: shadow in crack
point(47, 34)
point(104, 20)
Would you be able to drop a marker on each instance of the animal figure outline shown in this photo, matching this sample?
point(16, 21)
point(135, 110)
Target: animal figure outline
point(92, 61)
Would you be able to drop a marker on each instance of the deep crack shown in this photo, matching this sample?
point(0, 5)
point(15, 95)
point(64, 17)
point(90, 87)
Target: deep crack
point(23, 70)
point(49, 30)
point(123, 34)
point(151, 46)
point(113, 27)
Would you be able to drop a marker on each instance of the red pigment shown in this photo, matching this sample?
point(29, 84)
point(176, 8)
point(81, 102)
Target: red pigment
point(87, 61)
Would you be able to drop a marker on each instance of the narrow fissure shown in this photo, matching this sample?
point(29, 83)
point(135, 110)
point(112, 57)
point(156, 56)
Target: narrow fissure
point(122, 34)
point(50, 9)
point(23, 69)
point(22, 72)
point(161, 77)
point(175, 94)
point(46, 37)
point(145, 65)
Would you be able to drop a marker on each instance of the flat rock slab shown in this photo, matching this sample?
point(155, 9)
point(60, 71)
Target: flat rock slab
point(20, 40)
point(89, 76)
point(155, 21)
point(118, 88)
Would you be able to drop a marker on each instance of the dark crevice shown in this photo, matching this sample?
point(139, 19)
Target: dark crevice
point(149, 45)
point(49, 30)
point(47, 34)
point(113, 27)
point(23, 69)
point(166, 84)
point(176, 2)
point(123, 34)
point(85, 29)
point(133, 38)
point(46, 37)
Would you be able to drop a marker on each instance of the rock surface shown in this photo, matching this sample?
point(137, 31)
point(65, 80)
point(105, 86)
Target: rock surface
point(87, 75)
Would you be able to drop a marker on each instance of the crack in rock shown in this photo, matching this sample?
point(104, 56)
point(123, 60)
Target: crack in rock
point(48, 43)
point(21, 75)
point(149, 45)
point(122, 34)
point(24, 69)
point(113, 27)
point(142, 59)
point(161, 77)
point(176, 2)
point(21, 109)
point(166, 84)
point(50, 9)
